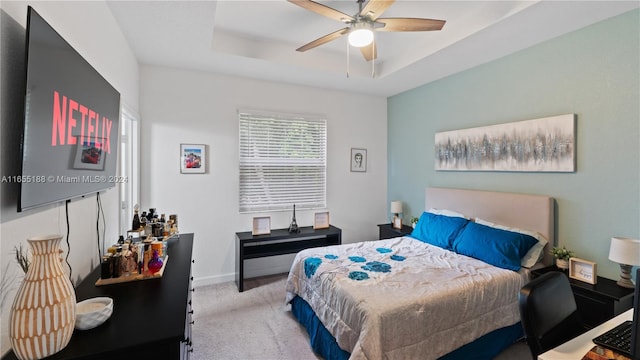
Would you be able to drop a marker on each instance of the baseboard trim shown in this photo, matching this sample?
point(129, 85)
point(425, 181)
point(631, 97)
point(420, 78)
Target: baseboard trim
point(254, 273)
point(212, 280)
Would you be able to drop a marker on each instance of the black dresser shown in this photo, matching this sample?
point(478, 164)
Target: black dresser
point(151, 318)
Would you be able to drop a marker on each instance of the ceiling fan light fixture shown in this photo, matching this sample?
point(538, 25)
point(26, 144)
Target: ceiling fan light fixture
point(361, 35)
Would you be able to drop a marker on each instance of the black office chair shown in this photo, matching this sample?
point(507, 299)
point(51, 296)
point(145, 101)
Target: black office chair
point(548, 312)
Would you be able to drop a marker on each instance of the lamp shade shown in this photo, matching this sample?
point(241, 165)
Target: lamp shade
point(625, 251)
point(361, 34)
point(396, 207)
point(361, 37)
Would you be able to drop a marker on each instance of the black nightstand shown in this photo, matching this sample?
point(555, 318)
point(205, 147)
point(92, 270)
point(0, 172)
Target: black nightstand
point(387, 231)
point(596, 303)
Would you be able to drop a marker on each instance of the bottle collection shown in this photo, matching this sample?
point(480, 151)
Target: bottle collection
point(145, 254)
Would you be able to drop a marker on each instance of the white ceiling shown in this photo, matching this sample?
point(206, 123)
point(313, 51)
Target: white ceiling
point(258, 38)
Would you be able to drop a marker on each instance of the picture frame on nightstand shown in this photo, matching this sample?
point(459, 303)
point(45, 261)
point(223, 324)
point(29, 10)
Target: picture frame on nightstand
point(583, 270)
point(397, 222)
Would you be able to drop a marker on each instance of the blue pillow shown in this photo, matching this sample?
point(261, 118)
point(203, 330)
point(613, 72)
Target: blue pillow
point(438, 230)
point(497, 247)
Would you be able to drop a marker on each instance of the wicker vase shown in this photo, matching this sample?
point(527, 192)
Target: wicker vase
point(43, 313)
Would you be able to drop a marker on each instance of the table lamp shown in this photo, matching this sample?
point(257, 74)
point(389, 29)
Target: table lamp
point(626, 252)
point(396, 209)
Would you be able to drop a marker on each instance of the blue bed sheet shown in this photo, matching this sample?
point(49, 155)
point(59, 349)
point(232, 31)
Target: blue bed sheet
point(324, 344)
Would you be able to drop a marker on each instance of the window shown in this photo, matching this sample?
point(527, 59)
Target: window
point(282, 161)
point(129, 165)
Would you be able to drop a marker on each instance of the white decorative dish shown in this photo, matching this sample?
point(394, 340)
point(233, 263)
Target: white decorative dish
point(93, 312)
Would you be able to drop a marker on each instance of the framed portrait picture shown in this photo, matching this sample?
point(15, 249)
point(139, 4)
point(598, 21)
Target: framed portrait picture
point(358, 160)
point(89, 155)
point(583, 270)
point(261, 225)
point(193, 158)
point(321, 220)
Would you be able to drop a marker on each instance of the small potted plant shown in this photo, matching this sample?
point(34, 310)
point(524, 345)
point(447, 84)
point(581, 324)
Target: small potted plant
point(562, 255)
point(414, 221)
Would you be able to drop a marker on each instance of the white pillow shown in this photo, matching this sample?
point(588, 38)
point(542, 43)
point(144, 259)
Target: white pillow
point(449, 213)
point(534, 254)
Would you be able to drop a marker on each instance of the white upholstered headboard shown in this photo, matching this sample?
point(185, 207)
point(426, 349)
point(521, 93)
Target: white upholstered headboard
point(529, 212)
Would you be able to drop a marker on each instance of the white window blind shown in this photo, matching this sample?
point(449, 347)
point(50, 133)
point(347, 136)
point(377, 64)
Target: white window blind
point(282, 161)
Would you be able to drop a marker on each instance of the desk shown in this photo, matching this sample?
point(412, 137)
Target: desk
point(280, 242)
point(575, 349)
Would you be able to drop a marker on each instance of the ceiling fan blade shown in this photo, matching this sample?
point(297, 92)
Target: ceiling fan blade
point(322, 10)
point(410, 24)
point(370, 51)
point(375, 8)
point(322, 40)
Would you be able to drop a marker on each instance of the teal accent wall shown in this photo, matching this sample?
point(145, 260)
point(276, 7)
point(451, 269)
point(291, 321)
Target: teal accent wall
point(593, 73)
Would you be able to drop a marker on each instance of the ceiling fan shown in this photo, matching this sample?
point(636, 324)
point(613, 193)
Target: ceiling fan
point(363, 24)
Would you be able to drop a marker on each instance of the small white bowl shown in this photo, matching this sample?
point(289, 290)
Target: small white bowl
point(93, 312)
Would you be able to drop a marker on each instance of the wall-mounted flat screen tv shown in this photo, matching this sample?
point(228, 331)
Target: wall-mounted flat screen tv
point(70, 135)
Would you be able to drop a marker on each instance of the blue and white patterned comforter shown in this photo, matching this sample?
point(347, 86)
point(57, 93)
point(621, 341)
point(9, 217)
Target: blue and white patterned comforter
point(403, 299)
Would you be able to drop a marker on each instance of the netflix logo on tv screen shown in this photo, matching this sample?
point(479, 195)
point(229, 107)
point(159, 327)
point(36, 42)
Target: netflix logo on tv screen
point(70, 138)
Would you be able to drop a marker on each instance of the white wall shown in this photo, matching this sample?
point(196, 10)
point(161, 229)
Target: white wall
point(94, 33)
point(178, 106)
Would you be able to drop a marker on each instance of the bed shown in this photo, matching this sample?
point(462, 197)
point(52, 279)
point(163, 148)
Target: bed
point(426, 296)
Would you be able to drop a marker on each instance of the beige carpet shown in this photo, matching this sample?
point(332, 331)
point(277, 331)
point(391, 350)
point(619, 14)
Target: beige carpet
point(256, 324)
